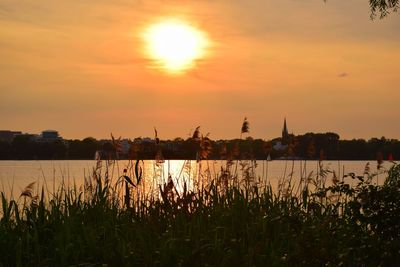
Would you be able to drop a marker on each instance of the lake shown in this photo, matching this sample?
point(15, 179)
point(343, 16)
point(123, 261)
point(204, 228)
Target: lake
point(16, 175)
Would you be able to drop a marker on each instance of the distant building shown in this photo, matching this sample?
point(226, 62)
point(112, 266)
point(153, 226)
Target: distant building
point(8, 136)
point(125, 146)
point(285, 133)
point(279, 146)
point(45, 136)
point(48, 136)
point(283, 144)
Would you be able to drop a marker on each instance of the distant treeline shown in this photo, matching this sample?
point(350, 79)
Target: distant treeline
point(308, 146)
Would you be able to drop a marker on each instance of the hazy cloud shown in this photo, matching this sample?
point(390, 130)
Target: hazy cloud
point(343, 75)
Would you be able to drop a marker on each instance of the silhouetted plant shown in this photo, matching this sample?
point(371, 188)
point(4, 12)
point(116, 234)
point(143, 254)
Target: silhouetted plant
point(383, 7)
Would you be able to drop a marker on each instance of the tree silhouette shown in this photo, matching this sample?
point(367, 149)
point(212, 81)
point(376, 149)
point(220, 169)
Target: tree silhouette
point(383, 7)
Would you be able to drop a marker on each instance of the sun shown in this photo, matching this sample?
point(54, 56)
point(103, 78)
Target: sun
point(174, 45)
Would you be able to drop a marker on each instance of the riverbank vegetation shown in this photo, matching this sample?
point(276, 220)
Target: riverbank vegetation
point(308, 146)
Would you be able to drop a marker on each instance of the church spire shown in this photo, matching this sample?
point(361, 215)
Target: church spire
point(285, 132)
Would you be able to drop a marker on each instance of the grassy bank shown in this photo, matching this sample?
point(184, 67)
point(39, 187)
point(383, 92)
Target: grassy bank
point(221, 224)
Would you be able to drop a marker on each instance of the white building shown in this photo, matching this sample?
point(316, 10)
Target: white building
point(48, 136)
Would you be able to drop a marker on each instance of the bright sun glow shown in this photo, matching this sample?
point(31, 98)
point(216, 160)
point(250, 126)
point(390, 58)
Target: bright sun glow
point(174, 45)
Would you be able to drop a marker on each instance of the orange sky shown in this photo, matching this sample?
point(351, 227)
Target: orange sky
point(78, 67)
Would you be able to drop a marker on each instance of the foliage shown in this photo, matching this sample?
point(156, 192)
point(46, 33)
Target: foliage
point(383, 7)
point(299, 147)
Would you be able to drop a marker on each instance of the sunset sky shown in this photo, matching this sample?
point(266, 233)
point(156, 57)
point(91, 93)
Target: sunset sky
point(81, 67)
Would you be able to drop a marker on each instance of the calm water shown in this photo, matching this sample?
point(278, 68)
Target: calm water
point(16, 175)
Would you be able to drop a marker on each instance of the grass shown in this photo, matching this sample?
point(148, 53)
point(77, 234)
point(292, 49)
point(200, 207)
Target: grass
point(219, 224)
